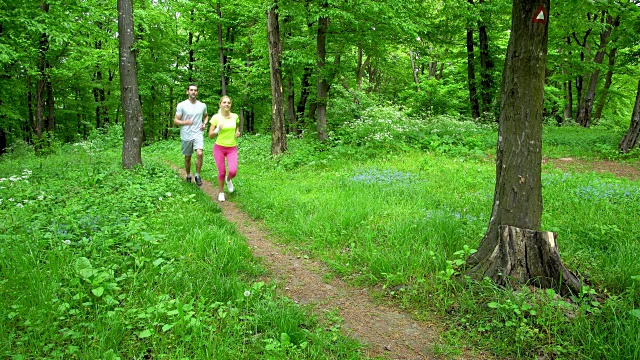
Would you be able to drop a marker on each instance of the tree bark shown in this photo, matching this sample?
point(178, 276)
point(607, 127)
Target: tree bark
point(133, 128)
point(608, 80)
point(630, 139)
point(305, 91)
point(471, 74)
point(323, 84)
point(518, 190)
point(223, 79)
point(244, 114)
point(586, 105)
point(486, 65)
point(568, 91)
point(414, 71)
point(278, 134)
point(30, 127)
point(607, 84)
point(292, 119)
point(43, 79)
point(192, 59)
point(3, 138)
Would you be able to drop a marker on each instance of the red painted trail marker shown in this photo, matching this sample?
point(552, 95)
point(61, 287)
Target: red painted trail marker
point(540, 15)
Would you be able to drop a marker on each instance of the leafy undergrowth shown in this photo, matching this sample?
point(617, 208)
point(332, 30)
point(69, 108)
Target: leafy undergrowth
point(112, 264)
point(101, 263)
point(402, 218)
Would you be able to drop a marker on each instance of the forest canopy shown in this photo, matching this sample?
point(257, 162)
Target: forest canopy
point(60, 76)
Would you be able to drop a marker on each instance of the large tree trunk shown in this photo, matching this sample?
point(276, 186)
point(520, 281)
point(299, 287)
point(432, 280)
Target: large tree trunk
point(518, 190)
point(278, 135)
point(323, 84)
point(630, 139)
point(223, 79)
point(133, 128)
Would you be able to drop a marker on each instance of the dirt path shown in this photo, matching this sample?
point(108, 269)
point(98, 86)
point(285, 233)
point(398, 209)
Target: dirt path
point(626, 170)
point(387, 331)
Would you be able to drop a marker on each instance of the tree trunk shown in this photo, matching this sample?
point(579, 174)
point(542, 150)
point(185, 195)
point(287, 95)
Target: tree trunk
point(607, 84)
point(3, 138)
point(291, 105)
point(169, 122)
point(608, 80)
point(471, 75)
point(568, 96)
point(486, 65)
point(323, 85)
point(97, 78)
point(278, 135)
point(630, 140)
point(305, 91)
point(41, 86)
point(50, 118)
point(223, 79)
point(586, 105)
point(567, 86)
point(360, 69)
point(518, 191)
point(192, 59)
point(414, 71)
point(133, 128)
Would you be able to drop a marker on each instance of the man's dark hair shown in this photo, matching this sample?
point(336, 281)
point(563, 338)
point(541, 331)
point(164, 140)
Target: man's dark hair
point(190, 85)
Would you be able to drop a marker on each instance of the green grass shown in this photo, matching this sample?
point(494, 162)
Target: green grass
point(104, 263)
point(403, 220)
point(101, 263)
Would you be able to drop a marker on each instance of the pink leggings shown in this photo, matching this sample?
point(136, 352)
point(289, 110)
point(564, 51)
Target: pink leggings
point(229, 152)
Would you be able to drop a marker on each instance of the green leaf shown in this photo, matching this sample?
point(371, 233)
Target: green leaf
point(166, 327)
point(158, 261)
point(493, 305)
point(284, 338)
point(98, 291)
point(111, 355)
point(144, 334)
point(635, 312)
point(83, 267)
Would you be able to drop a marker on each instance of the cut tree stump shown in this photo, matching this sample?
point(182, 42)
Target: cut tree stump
point(524, 256)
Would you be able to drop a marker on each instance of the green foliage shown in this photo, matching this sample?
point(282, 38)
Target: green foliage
point(404, 222)
point(98, 262)
point(580, 142)
point(384, 129)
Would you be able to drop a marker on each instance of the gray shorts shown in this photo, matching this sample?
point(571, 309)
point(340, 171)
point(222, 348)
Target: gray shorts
point(189, 146)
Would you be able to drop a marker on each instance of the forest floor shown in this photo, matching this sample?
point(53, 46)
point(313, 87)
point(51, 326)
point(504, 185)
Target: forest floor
point(386, 330)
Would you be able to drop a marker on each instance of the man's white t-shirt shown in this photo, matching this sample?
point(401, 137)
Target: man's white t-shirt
point(194, 111)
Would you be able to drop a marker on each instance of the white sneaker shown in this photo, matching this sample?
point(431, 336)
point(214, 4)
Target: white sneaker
point(221, 197)
point(229, 184)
